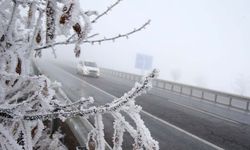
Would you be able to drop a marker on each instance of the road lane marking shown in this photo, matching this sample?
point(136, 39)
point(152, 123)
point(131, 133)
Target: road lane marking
point(171, 100)
point(150, 115)
point(195, 109)
point(205, 112)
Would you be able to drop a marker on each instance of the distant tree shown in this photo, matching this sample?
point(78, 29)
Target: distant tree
point(26, 28)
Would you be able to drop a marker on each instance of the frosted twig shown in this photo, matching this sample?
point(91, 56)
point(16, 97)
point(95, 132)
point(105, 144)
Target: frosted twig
point(118, 36)
point(114, 106)
point(91, 36)
point(12, 16)
point(26, 100)
point(106, 11)
point(77, 103)
point(94, 41)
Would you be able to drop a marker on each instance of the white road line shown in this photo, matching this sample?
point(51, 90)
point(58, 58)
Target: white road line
point(205, 112)
point(199, 110)
point(195, 109)
point(160, 120)
point(192, 108)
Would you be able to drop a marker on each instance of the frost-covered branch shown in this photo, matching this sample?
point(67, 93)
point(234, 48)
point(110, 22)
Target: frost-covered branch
point(106, 11)
point(118, 36)
point(114, 106)
point(26, 100)
point(69, 41)
point(61, 111)
point(10, 25)
point(66, 110)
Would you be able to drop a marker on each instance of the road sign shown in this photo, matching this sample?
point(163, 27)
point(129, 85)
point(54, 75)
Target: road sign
point(143, 62)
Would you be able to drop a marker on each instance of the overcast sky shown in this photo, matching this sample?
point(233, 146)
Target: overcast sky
point(206, 41)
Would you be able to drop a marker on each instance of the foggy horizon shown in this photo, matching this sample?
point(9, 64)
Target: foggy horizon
point(206, 42)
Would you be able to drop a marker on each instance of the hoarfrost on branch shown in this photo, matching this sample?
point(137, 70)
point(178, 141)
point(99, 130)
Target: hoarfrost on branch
point(26, 100)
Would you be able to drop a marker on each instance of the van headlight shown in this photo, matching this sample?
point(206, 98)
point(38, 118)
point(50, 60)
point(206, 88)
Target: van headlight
point(85, 71)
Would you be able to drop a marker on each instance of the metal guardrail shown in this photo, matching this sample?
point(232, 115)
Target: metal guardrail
point(222, 98)
point(80, 126)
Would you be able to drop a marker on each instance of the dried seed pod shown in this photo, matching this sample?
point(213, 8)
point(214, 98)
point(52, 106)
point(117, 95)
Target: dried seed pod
point(19, 66)
point(67, 14)
point(77, 28)
point(38, 37)
point(2, 38)
point(63, 19)
point(33, 131)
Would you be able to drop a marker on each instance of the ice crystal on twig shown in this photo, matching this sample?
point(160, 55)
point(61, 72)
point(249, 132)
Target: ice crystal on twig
point(27, 27)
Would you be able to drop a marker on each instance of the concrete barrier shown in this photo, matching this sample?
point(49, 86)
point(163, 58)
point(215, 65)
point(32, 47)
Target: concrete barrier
point(209, 96)
point(177, 88)
point(161, 85)
point(168, 86)
point(239, 103)
point(221, 99)
point(196, 93)
point(186, 90)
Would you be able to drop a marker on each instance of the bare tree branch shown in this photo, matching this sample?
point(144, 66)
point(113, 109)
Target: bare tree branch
point(54, 44)
point(94, 41)
point(118, 36)
point(102, 14)
point(91, 36)
point(114, 106)
point(27, 99)
point(106, 11)
point(12, 16)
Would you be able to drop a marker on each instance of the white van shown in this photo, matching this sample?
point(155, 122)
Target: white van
point(88, 68)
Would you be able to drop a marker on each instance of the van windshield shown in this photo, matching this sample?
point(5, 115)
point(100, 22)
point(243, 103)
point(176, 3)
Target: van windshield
point(90, 64)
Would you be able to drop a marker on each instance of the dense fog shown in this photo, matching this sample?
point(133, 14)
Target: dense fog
point(198, 42)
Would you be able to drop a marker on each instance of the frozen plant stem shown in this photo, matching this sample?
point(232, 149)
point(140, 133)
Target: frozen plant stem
point(26, 100)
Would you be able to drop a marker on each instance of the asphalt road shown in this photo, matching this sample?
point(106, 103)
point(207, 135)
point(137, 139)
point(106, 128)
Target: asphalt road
point(174, 126)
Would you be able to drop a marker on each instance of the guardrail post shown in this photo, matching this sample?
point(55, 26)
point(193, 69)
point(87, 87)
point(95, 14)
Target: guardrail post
point(215, 97)
point(191, 91)
point(230, 101)
point(202, 94)
point(247, 106)
point(181, 89)
point(172, 87)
